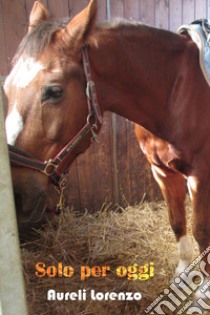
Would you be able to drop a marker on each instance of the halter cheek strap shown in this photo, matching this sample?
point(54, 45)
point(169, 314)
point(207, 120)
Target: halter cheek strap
point(92, 99)
point(55, 168)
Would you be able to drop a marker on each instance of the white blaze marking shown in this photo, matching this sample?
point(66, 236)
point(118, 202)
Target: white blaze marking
point(23, 72)
point(14, 126)
point(21, 75)
point(185, 248)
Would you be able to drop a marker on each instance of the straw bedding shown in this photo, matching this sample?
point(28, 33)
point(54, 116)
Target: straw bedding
point(111, 237)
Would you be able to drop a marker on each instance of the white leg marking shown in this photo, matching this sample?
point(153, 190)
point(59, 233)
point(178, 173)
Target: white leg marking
point(14, 126)
point(192, 185)
point(185, 248)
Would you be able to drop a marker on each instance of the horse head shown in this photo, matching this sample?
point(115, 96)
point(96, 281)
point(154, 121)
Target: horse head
point(47, 103)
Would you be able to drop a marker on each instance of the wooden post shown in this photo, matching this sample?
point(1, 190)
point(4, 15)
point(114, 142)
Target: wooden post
point(12, 291)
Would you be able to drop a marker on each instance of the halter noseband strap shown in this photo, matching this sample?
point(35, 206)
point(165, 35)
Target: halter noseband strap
point(56, 167)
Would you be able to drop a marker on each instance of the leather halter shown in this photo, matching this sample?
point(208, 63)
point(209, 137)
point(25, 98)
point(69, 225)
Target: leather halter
point(56, 167)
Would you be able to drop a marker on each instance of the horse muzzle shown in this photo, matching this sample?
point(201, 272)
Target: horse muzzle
point(36, 198)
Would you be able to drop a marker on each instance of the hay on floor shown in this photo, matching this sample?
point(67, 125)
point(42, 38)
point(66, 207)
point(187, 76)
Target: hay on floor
point(118, 237)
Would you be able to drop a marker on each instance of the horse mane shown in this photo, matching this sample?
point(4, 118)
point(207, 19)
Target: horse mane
point(34, 42)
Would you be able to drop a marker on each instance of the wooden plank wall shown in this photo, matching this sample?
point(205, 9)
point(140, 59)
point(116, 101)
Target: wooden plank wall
point(93, 179)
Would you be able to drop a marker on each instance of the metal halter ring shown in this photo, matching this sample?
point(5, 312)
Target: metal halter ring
point(49, 168)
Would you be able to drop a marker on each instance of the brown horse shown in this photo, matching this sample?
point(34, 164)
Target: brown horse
point(147, 75)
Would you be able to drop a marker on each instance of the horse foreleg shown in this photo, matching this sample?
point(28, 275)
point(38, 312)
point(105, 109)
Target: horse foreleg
point(200, 194)
point(199, 188)
point(172, 185)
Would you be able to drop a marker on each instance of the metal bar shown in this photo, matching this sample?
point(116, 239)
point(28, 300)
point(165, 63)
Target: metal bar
point(115, 160)
point(12, 291)
point(114, 134)
point(108, 10)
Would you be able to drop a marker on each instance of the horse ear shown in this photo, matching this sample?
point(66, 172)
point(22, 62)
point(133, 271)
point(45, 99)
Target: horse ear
point(37, 15)
point(79, 29)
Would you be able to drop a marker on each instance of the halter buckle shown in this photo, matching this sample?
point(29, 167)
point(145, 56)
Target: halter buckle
point(90, 86)
point(49, 168)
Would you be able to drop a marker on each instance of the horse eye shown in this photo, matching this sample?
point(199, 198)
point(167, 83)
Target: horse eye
point(52, 93)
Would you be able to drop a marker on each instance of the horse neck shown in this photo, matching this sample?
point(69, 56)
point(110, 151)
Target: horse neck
point(135, 69)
